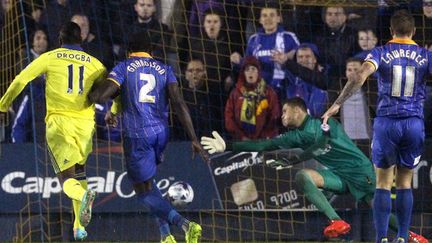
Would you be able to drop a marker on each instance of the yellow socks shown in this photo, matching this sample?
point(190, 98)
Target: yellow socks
point(76, 207)
point(73, 189)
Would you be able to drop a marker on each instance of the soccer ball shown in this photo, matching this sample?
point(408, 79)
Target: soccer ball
point(180, 194)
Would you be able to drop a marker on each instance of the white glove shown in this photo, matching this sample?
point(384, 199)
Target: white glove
point(277, 164)
point(213, 145)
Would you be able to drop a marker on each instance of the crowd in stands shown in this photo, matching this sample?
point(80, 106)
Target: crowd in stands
point(235, 60)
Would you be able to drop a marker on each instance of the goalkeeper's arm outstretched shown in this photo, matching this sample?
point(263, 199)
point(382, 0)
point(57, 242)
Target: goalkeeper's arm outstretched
point(314, 140)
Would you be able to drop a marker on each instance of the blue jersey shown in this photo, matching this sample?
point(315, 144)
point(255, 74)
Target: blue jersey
point(262, 46)
point(143, 85)
point(316, 99)
point(401, 69)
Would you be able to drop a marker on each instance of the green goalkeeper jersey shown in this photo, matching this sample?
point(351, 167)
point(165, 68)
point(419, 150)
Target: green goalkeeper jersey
point(342, 157)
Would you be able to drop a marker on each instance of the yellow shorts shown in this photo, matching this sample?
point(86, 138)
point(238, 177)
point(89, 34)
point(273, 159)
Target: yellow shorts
point(70, 141)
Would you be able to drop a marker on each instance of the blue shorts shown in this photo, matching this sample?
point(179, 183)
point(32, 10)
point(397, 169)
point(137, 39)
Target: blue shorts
point(397, 142)
point(143, 155)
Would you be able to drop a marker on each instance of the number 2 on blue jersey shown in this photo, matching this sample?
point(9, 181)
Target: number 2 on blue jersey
point(397, 81)
point(150, 84)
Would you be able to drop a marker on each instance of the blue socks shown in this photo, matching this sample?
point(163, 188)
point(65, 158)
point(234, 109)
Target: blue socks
point(164, 228)
point(177, 219)
point(161, 208)
point(382, 205)
point(404, 204)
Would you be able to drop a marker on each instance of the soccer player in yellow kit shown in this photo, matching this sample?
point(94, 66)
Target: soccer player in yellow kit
point(70, 124)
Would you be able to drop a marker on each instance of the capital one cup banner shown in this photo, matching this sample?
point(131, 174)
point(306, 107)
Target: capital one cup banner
point(244, 182)
point(231, 181)
point(22, 181)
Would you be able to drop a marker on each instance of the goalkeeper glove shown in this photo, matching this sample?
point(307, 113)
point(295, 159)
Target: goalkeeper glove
point(213, 145)
point(283, 162)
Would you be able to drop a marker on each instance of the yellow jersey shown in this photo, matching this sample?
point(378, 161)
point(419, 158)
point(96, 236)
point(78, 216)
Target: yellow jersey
point(70, 74)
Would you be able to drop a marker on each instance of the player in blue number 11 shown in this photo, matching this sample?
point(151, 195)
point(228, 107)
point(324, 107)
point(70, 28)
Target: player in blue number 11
point(398, 135)
point(143, 85)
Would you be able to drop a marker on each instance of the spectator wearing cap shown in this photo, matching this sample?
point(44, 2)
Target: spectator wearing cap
point(307, 79)
point(271, 45)
point(252, 110)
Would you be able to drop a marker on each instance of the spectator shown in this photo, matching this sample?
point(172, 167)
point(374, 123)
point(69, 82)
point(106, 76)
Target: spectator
point(214, 49)
point(423, 35)
point(167, 8)
point(5, 9)
point(93, 44)
point(33, 14)
point(362, 17)
point(367, 40)
point(121, 16)
point(270, 41)
point(306, 21)
point(252, 110)
point(55, 15)
point(5, 6)
point(336, 41)
point(198, 9)
point(355, 113)
point(230, 8)
point(146, 21)
point(32, 105)
point(195, 89)
point(307, 79)
point(98, 48)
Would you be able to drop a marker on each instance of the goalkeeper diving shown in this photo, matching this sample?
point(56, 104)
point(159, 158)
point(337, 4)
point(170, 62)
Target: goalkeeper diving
point(347, 170)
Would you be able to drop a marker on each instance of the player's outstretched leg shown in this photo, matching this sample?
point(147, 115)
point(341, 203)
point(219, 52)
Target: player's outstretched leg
point(337, 226)
point(153, 200)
